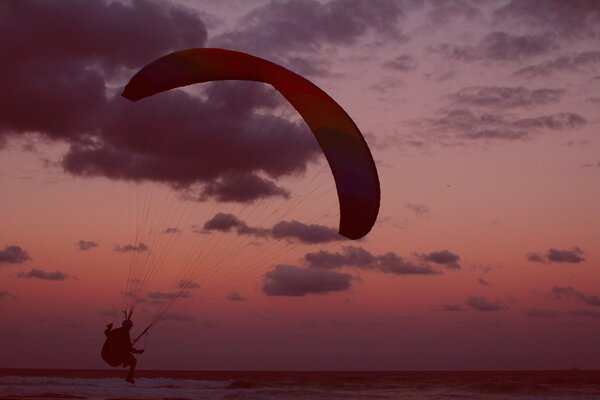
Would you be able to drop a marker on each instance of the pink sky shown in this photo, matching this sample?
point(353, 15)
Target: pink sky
point(482, 119)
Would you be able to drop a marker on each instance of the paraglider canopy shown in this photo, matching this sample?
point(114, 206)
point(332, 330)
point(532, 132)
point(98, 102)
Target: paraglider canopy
point(338, 136)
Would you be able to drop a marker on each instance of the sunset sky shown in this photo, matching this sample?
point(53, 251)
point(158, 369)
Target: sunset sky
point(482, 118)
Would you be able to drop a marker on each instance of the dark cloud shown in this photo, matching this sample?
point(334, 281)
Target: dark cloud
point(585, 61)
point(243, 188)
point(536, 257)
point(500, 46)
point(483, 282)
point(309, 234)
point(357, 257)
point(569, 293)
point(39, 274)
point(86, 245)
point(128, 248)
point(403, 63)
point(452, 307)
point(279, 28)
point(418, 209)
point(67, 92)
point(161, 296)
point(539, 313)
point(351, 256)
point(171, 230)
point(558, 121)
point(444, 12)
point(243, 144)
point(290, 230)
point(573, 256)
point(290, 280)
point(234, 296)
point(565, 256)
point(482, 304)
point(443, 257)
point(13, 254)
point(394, 264)
point(506, 97)
point(108, 136)
point(565, 19)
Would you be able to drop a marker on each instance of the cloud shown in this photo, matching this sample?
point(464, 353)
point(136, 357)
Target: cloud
point(234, 296)
point(569, 293)
point(67, 93)
point(573, 256)
point(360, 258)
point(86, 245)
point(565, 256)
point(68, 102)
point(290, 280)
point(505, 97)
point(290, 230)
point(402, 63)
point(128, 248)
point(351, 256)
point(574, 19)
point(452, 307)
point(483, 282)
point(394, 264)
point(39, 274)
point(13, 254)
point(309, 234)
point(443, 257)
point(171, 230)
point(482, 304)
point(500, 46)
point(536, 257)
point(540, 313)
point(279, 28)
point(577, 62)
point(444, 12)
point(419, 209)
point(466, 124)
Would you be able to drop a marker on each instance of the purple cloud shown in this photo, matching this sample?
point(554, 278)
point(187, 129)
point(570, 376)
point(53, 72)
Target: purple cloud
point(402, 63)
point(13, 254)
point(309, 234)
point(128, 248)
point(86, 245)
point(39, 274)
point(505, 97)
point(419, 209)
point(234, 296)
point(290, 280)
point(482, 304)
point(585, 61)
point(500, 46)
point(444, 257)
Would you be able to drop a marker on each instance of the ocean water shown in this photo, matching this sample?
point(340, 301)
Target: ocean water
point(180, 385)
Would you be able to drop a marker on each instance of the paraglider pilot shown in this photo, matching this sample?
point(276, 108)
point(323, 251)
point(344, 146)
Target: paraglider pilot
point(118, 348)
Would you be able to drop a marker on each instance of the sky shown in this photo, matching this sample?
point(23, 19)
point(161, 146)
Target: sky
point(213, 211)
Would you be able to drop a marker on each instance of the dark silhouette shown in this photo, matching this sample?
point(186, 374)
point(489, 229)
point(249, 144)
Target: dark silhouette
point(117, 348)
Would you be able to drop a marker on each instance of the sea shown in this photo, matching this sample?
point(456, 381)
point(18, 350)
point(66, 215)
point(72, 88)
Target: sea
point(25, 384)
